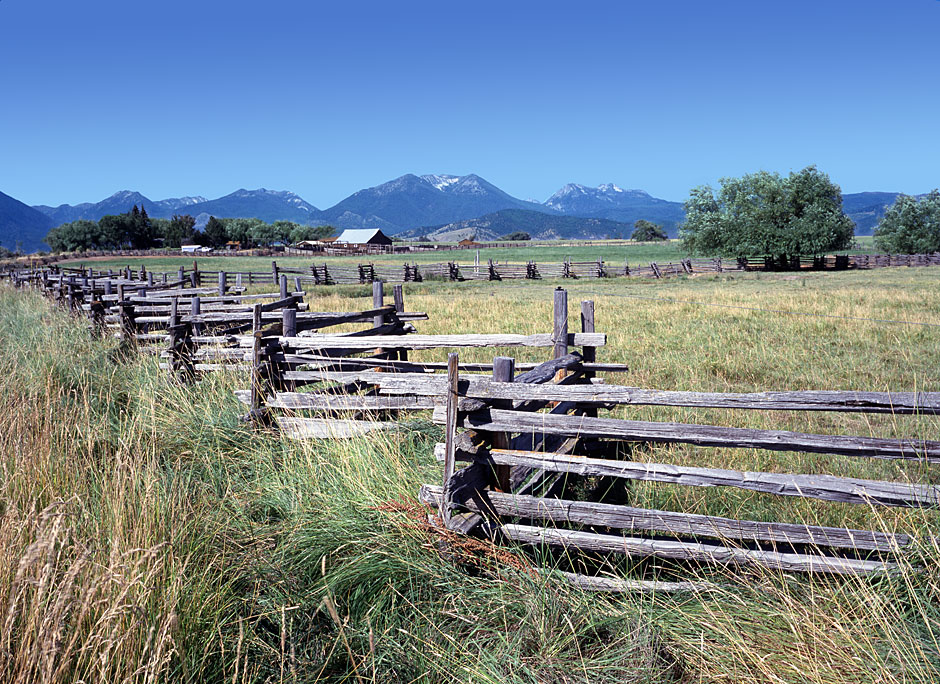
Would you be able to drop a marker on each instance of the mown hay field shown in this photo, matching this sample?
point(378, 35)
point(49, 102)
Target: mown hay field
point(147, 535)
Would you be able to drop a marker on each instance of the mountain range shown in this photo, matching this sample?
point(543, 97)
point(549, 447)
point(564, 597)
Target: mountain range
point(22, 226)
point(411, 206)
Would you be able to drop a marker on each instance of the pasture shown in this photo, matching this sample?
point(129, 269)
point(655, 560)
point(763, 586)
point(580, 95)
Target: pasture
point(616, 254)
point(140, 515)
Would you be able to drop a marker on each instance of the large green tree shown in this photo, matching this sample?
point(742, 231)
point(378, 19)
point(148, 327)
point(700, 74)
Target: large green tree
point(180, 230)
point(911, 225)
point(301, 233)
point(647, 231)
point(75, 236)
point(214, 233)
point(242, 229)
point(765, 214)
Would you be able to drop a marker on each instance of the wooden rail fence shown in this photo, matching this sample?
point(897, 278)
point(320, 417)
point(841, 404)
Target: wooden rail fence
point(518, 438)
point(364, 273)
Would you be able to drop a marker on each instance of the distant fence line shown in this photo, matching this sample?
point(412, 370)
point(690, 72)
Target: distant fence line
point(363, 273)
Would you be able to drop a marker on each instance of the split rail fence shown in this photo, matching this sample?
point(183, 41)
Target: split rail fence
point(520, 440)
point(364, 273)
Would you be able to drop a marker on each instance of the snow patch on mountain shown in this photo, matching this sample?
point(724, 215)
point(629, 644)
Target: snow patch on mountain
point(441, 181)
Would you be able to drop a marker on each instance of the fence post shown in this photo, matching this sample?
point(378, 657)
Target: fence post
point(589, 354)
point(223, 283)
point(196, 310)
point(450, 434)
point(560, 323)
point(378, 301)
point(257, 389)
point(284, 293)
point(398, 292)
point(289, 322)
point(504, 370)
point(274, 272)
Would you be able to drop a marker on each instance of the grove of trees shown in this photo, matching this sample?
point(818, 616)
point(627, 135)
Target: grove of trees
point(647, 231)
point(136, 230)
point(765, 214)
point(911, 225)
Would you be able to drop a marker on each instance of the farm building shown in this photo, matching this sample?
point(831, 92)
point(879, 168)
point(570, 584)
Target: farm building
point(193, 249)
point(364, 236)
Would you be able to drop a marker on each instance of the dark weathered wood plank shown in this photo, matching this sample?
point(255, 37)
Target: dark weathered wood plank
point(825, 487)
point(682, 524)
point(501, 420)
point(841, 401)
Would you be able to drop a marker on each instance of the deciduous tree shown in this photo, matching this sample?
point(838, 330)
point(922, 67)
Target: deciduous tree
point(911, 225)
point(647, 231)
point(764, 214)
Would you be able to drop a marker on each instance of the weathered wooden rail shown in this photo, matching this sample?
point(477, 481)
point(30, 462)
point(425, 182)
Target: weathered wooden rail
point(346, 372)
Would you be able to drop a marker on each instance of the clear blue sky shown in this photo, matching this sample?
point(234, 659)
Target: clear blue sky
point(204, 97)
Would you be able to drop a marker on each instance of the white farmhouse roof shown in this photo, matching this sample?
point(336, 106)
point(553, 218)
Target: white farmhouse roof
point(360, 236)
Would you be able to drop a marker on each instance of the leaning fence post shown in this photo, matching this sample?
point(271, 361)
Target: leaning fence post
point(450, 434)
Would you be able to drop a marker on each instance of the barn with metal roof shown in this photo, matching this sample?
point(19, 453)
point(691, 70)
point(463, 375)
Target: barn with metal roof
point(364, 236)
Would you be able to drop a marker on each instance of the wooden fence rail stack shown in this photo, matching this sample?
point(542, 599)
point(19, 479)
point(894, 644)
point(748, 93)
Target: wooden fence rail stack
point(519, 439)
point(506, 428)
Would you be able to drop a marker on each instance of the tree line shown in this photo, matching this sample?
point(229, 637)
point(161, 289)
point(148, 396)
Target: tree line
point(136, 230)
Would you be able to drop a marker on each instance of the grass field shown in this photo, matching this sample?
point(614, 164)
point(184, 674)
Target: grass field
point(635, 254)
point(146, 535)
